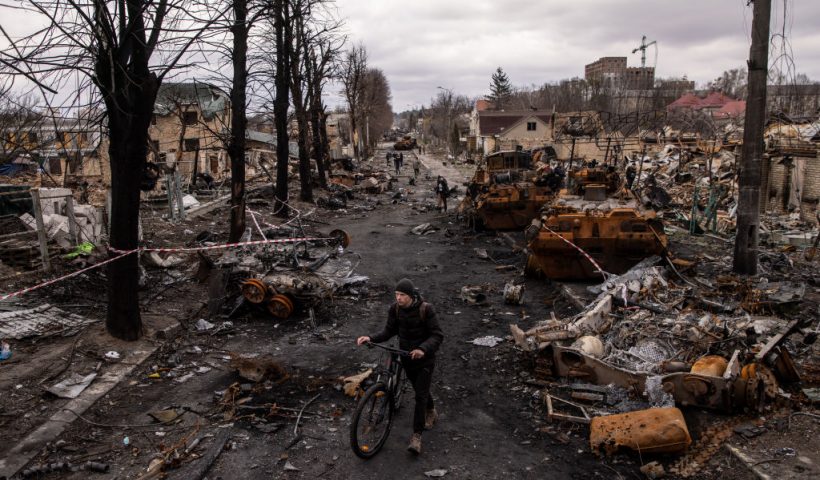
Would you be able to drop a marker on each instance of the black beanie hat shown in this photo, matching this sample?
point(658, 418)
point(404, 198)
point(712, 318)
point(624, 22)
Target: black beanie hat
point(406, 286)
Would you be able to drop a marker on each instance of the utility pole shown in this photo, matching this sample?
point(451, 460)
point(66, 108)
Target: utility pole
point(748, 211)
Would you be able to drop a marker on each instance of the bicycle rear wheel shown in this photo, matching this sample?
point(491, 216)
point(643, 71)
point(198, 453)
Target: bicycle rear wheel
point(371, 421)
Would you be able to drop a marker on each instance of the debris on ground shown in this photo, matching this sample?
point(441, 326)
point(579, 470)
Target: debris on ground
point(352, 384)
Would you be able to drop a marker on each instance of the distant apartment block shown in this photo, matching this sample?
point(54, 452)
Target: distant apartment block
point(613, 72)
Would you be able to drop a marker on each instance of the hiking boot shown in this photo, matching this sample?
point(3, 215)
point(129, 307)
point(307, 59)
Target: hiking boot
point(430, 419)
point(415, 444)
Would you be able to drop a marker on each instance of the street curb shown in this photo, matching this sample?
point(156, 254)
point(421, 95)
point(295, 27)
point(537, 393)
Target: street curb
point(22, 453)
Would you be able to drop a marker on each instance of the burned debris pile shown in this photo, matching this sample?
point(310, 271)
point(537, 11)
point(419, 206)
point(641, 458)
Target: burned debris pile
point(675, 333)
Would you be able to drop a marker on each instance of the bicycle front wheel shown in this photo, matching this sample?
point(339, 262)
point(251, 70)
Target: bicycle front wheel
point(371, 421)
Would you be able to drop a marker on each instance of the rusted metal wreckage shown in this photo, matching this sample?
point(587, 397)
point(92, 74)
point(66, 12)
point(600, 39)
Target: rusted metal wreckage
point(406, 143)
point(590, 349)
point(593, 218)
point(282, 292)
point(506, 193)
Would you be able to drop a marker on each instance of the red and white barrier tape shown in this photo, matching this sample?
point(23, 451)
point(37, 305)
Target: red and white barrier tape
point(585, 254)
point(124, 253)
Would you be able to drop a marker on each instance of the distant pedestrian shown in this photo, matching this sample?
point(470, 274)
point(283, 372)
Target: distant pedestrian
point(441, 193)
point(388, 157)
point(631, 173)
point(397, 163)
point(401, 159)
point(416, 167)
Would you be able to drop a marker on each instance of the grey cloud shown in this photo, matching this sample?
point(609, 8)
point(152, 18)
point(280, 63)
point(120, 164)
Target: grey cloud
point(459, 43)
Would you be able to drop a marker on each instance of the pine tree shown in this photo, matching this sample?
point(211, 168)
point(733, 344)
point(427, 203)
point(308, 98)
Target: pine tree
point(500, 89)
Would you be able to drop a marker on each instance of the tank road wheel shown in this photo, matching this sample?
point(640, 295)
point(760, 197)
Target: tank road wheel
point(280, 306)
point(532, 269)
point(341, 237)
point(255, 291)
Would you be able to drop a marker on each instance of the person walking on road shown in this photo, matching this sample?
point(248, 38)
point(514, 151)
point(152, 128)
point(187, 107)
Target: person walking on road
point(416, 324)
point(397, 163)
point(416, 167)
point(441, 193)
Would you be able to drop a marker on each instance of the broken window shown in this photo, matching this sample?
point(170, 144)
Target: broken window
point(154, 145)
point(189, 118)
point(191, 144)
point(530, 126)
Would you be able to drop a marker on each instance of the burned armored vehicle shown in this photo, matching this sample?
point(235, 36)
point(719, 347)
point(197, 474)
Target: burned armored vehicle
point(406, 143)
point(593, 225)
point(506, 193)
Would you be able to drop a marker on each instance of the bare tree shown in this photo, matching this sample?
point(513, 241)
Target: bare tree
point(321, 62)
point(374, 109)
point(352, 74)
point(298, 85)
point(282, 38)
point(125, 49)
point(444, 111)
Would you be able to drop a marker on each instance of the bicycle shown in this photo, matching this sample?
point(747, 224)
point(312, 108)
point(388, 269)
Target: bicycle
point(374, 412)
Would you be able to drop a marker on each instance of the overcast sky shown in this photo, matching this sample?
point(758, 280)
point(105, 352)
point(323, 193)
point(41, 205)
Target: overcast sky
point(422, 44)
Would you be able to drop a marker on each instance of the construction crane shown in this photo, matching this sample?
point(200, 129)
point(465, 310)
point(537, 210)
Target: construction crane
point(643, 48)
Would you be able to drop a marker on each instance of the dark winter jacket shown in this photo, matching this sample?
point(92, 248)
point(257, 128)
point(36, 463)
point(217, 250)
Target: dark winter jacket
point(413, 330)
point(441, 187)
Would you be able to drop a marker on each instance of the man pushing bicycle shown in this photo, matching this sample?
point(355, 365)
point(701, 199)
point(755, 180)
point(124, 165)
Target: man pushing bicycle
point(415, 322)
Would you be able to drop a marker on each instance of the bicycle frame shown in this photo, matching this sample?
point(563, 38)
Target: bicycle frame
point(393, 368)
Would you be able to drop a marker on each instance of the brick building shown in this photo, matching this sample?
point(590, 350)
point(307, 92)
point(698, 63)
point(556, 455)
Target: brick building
point(613, 72)
point(791, 169)
point(189, 119)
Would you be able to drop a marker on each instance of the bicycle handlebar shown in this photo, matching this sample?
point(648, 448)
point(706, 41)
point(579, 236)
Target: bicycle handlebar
point(403, 353)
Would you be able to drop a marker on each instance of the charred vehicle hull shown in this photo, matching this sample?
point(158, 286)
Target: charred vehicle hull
point(615, 240)
point(510, 207)
point(506, 193)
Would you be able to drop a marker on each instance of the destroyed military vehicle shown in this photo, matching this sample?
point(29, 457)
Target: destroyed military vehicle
point(406, 143)
point(594, 219)
point(506, 193)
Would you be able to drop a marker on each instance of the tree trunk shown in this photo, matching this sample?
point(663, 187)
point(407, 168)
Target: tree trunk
point(236, 147)
point(355, 137)
point(129, 117)
point(318, 147)
point(323, 138)
point(298, 76)
point(280, 105)
point(748, 211)
point(305, 180)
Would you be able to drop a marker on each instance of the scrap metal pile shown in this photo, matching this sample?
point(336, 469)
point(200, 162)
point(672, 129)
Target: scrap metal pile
point(653, 339)
point(694, 186)
point(280, 280)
